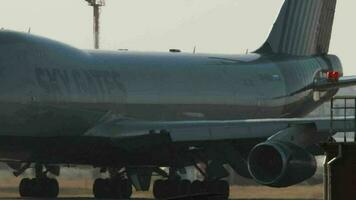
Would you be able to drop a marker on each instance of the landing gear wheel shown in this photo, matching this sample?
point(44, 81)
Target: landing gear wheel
point(25, 187)
point(53, 188)
point(223, 188)
point(158, 191)
point(198, 187)
point(185, 187)
point(112, 188)
point(163, 189)
point(173, 188)
point(39, 187)
point(98, 188)
point(220, 188)
point(126, 189)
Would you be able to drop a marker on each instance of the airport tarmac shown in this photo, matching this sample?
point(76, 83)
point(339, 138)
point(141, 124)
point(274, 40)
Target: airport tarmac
point(86, 198)
point(237, 192)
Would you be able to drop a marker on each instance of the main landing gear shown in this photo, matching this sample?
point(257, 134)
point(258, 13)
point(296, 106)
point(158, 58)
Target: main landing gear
point(174, 187)
point(115, 187)
point(41, 186)
point(163, 189)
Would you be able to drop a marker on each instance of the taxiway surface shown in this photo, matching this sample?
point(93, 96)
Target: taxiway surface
point(87, 198)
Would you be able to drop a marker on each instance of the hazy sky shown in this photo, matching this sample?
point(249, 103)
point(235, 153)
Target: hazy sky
point(214, 26)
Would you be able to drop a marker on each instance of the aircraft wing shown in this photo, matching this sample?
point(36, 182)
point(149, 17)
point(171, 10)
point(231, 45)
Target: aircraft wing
point(307, 130)
point(231, 141)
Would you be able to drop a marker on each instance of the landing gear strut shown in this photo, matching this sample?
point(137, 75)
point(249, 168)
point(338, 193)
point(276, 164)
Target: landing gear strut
point(41, 186)
point(116, 187)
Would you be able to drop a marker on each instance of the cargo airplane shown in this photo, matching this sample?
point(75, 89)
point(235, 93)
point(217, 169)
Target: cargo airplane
point(131, 114)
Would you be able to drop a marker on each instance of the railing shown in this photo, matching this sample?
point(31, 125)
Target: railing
point(345, 105)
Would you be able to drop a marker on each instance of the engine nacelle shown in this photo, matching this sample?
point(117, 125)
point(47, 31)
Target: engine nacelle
point(280, 164)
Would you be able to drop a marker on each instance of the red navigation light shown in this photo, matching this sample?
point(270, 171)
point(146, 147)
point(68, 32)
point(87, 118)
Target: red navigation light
point(333, 75)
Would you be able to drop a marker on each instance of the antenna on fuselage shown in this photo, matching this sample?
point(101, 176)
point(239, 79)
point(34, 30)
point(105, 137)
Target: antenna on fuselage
point(96, 4)
point(29, 30)
point(195, 48)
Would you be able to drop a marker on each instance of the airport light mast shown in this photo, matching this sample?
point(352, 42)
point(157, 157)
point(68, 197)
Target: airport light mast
point(96, 4)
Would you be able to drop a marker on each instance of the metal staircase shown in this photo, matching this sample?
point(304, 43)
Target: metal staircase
point(340, 160)
point(343, 106)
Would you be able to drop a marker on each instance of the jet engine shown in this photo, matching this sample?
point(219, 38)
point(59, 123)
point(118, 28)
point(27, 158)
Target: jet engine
point(280, 164)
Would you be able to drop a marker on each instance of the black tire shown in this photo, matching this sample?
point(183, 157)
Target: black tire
point(53, 188)
point(173, 188)
point(98, 188)
point(158, 192)
point(220, 188)
point(25, 187)
point(223, 188)
point(116, 189)
point(126, 189)
point(198, 187)
point(37, 188)
point(185, 187)
point(44, 188)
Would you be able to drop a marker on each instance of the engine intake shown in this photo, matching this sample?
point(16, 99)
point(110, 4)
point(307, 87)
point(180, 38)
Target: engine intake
point(280, 164)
